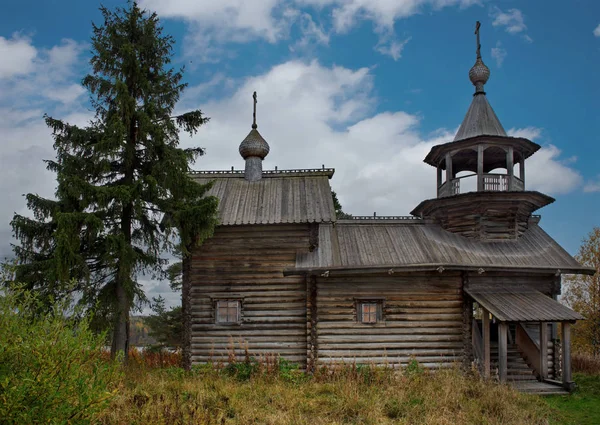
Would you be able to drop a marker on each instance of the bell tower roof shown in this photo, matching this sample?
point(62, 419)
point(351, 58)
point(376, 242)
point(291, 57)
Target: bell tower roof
point(480, 119)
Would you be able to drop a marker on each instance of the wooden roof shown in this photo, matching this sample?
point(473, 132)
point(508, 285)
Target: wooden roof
point(281, 196)
point(480, 120)
point(521, 304)
point(524, 147)
point(365, 246)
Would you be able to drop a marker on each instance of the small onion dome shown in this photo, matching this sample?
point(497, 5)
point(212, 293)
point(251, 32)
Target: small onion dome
point(254, 145)
point(479, 75)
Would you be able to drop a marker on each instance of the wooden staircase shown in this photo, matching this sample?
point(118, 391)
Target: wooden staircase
point(520, 375)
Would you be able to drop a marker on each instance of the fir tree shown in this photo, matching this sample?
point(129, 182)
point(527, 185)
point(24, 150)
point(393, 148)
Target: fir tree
point(124, 194)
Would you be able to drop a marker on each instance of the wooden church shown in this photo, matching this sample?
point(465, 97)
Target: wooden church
point(469, 277)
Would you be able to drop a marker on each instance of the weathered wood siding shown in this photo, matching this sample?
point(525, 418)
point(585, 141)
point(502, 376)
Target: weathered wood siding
point(422, 319)
point(541, 282)
point(247, 263)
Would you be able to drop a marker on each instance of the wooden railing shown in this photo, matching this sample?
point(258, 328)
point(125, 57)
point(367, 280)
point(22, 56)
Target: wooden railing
point(491, 183)
point(495, 182)
point(530, 349)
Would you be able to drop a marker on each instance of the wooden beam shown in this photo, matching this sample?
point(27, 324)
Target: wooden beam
point(439, 178)
point(312, 337)
point(480, 168)
point(522, 170)
point(543, 350)
point(502, 351)
point(449, 176)
point(510, 156)
point(566, 353)
point(486, 342)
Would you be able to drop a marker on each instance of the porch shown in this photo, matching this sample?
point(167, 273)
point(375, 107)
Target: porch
point(512, 340)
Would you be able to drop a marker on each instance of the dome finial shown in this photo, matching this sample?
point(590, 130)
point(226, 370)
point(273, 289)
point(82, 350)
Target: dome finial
point(254, 149)
point(479, 73)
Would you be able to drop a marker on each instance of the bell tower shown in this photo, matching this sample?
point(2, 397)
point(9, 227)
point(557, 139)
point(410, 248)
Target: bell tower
point(481, 173)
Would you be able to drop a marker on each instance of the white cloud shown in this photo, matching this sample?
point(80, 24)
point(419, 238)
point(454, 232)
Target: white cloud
point(592, 186)
point(513, 20)
point(16, 56)
point(312, 33)
point(597, 31)
point(546, 171)
point(213, 24)
point(499, 53)
point(392, 48)
point(531, 133)
point(49, 77)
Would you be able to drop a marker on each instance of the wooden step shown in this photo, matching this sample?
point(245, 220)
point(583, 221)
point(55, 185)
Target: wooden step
point(539, 388)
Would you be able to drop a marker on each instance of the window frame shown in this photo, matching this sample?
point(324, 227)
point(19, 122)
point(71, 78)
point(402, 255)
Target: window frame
point(238, 311)
point(379, 304)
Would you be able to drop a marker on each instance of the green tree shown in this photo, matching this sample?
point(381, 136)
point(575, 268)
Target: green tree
point(124, 194)
point(166, 326)
point(582, 293)
point(339, 213)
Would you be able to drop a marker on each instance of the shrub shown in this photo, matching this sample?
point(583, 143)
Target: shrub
point(52, 369)
point(586, 363)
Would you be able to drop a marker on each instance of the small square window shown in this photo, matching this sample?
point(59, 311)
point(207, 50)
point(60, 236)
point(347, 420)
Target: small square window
point(369, 311)
point(228, 311)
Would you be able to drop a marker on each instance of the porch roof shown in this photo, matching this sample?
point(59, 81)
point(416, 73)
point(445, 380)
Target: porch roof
point(521, 304)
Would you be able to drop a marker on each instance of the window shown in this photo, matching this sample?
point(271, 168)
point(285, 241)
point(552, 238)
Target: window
point(228, 311)
point(369, 311)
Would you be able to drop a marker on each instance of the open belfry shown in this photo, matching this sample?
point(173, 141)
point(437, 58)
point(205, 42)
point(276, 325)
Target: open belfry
point(469, 277)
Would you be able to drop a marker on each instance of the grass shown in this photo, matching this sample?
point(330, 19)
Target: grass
point(274, 392)
point(583, 406)
point(580, 408)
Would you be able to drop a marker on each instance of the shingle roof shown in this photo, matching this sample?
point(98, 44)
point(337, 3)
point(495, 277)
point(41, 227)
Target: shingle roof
point(480, 120)
point(521, 304)
point(281, 196)
point(419, 244)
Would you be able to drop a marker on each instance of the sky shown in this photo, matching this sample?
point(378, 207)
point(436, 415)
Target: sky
point(363, 86)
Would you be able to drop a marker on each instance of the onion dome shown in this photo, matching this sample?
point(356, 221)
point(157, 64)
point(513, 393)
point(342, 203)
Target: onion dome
point(254, 145)
point(479, 75)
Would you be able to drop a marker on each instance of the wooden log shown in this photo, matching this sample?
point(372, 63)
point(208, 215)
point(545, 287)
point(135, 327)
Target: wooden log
point(502, 351)
point(486, 343)
point(566, 354)
point(543, 350)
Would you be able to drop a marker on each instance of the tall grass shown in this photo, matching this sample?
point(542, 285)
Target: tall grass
point(585, 363)
point(273, 391)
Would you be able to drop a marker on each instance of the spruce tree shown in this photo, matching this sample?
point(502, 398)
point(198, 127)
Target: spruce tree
point(124, 194)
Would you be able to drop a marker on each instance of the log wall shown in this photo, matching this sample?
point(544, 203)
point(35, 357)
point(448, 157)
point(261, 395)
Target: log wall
point(247, 263)
point(422, 318)
point(543, 283)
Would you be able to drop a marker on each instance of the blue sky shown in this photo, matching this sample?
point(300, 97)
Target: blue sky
point(364, 86)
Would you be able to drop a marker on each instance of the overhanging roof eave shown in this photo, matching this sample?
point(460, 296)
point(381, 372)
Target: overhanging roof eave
point(440, 267)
